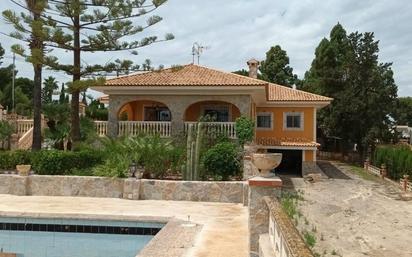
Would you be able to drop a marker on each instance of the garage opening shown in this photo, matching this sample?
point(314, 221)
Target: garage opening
point(291, 162)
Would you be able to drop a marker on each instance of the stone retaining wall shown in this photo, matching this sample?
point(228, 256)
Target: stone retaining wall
point(226, 192)
point(144, 189)
point(284, 239)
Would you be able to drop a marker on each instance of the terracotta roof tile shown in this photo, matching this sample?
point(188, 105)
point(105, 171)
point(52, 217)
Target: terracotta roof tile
point(187, 75)
point(195, 75)
point(295, 142)
point(282, 93)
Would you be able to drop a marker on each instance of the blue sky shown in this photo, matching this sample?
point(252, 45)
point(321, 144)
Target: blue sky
point(237, 30)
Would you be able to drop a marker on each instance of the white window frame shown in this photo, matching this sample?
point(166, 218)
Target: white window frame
point(265, 114)
point(302, 119)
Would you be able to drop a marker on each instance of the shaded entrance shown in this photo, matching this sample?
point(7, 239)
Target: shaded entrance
point(144, 110)
point(291, 162)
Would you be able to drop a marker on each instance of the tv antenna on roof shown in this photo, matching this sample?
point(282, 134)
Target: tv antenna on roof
point(197, 50)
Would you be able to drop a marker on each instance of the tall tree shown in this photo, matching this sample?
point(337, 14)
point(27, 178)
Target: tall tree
point(49, 85)
point(403, 111)
point(275, 68)
point(63, 97)
point(29, 27)
point(1, 54)
point(85, 26)
point(346, 67)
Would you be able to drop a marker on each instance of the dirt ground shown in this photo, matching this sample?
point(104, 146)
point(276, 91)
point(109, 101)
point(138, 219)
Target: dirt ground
point(356, 216)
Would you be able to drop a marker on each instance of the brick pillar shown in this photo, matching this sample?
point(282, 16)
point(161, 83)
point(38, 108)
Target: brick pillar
point(405, 182)
point(258, 210)
point(14, 142)
point(366, 164)
point(384, 171)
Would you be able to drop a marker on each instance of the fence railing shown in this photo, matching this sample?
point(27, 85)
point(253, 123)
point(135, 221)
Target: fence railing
point(101, 127)
point(22, 126)
point(132, 128)
point(404, 182)
point(26, 140)
point(226, 128)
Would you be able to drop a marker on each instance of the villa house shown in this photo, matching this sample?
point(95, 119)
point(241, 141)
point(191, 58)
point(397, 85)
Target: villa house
point(167, 101)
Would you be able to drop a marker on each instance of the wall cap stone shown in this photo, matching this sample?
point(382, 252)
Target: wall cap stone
point(265, 182)
point(293, 239)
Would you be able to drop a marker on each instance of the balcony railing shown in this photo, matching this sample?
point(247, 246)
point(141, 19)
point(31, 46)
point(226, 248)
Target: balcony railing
point(101, 127)
point(226, 128)
point(132, 128)
point(163, 128)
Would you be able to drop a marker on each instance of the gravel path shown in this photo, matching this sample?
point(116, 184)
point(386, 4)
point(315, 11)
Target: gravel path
point(356, 217)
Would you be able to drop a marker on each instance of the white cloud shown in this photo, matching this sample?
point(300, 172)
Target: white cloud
point(237, 30)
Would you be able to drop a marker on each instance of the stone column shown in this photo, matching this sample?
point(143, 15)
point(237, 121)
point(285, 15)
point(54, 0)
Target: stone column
point(177, 106)
point(258, 210)
point(112, 126)
point(14, 142)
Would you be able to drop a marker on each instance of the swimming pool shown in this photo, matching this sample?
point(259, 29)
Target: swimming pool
point(32, 237)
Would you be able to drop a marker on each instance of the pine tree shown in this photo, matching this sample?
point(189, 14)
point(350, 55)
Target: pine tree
point(275, 68)
point(90, 26)
point(97, 26)
point(346, 68)
point(30, 28)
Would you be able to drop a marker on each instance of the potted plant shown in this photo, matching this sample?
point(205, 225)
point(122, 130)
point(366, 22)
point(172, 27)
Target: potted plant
point(23, 170)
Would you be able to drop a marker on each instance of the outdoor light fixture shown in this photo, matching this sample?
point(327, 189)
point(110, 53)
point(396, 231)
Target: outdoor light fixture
point(132, 169)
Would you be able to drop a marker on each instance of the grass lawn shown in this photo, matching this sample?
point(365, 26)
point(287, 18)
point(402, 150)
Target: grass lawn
point(362, 173)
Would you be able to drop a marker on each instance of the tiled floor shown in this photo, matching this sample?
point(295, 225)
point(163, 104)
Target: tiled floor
point(224, 231)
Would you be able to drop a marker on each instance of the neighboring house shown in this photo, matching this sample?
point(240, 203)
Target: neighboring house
point(405, 133)
point(167, 101)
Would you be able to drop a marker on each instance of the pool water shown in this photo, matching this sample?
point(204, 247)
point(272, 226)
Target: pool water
point(74, 238)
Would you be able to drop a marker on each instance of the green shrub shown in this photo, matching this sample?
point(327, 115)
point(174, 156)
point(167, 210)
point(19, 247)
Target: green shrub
point(398, 159)
point(52, 162)
point(157, 156)
point(310, 239)
point(244, 129)
point(222, 160)
point(9, 159)
point(6, 130)
point(56, 162)
point(115, 166)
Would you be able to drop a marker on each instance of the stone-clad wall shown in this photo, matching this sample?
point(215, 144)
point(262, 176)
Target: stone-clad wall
point(228, 192)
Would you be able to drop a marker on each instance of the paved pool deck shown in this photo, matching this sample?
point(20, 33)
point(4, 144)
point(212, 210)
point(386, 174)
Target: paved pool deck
point(224, 229)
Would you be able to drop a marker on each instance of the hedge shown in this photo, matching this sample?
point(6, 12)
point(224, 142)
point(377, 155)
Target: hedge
point(398, 159)
point(51, 162)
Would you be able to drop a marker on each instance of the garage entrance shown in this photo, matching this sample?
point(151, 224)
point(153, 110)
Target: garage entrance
point(291, 162)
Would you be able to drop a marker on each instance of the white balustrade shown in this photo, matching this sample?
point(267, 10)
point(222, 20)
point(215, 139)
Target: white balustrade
point(163, 128)
point(227, 128)
point(132, 128)
point(23, 126)
point(101, 127)
point(26, 140)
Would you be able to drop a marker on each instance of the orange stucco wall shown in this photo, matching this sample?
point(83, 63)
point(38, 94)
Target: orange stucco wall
point(135, 110)
point(309, 155)
point(278, 131)
point(194, 112)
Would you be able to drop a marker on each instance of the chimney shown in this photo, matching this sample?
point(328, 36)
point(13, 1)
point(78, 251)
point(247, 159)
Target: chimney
point(253, 68)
